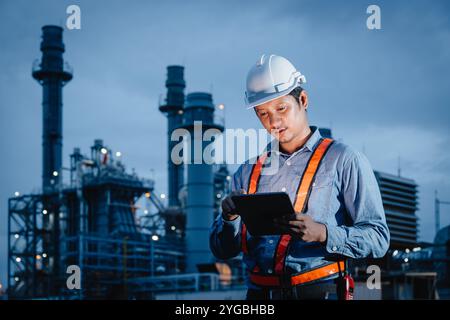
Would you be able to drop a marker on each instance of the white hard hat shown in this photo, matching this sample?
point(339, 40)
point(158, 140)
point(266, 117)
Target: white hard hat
point(270, 78)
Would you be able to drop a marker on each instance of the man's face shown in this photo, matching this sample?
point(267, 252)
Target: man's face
point(284, 118)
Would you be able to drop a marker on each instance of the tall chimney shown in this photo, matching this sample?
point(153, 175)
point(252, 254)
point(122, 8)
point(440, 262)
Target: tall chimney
point(52, 73)
point(173, 109)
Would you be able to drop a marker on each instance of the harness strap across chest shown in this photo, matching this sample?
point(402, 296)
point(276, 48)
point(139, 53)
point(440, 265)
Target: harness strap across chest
point(300, 204)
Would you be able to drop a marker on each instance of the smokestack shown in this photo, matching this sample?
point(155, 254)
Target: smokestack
point(200, 181)
point(173, 109)
point(52, 73)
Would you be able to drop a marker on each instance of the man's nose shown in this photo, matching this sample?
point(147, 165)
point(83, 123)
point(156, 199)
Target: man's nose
point(275, 121)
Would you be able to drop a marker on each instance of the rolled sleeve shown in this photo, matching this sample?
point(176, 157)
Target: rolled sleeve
point(368, 235)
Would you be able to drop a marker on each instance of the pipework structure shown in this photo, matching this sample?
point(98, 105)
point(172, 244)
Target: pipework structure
point(110, 223)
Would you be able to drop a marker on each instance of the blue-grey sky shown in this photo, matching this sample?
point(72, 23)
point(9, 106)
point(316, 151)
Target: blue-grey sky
point(385, 92)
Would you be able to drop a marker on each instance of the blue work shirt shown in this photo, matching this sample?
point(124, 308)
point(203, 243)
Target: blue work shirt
point(345, 197)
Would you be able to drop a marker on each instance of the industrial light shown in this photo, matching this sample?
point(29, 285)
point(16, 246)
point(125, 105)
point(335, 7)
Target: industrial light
point(118, 154)
point(172, 228)
point(407, 250)
point(1, 286)
point(219, 196)
point(17, 279)
point(395, 253)
point(16, 236)
point(103, 150)
point(163, 196)
point(55, 173)
point(180, 111)
point(155, 237)
point(228, 178)
point(221, 106)
point(417, 249)
point(406, 260)
point(18, 259)
point(44, 211)
point(17, 193)
point(44, 255)
point(145, 211)
point(38, 257)
point(147, 194)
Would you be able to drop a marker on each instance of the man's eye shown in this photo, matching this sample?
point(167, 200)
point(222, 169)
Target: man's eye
point(281, 108)
point(263, 114)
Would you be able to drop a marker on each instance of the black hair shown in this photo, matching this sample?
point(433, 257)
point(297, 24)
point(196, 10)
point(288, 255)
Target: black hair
point(296, 92)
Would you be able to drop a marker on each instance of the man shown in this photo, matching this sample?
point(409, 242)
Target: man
point(335, 195)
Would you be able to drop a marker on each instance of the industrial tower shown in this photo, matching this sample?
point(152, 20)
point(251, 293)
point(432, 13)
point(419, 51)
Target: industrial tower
point(52, 72)
point(173, 109)
point(199, 206)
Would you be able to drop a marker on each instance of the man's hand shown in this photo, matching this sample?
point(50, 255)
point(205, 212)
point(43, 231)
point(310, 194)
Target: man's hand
point(302, 226)
point(228, 208)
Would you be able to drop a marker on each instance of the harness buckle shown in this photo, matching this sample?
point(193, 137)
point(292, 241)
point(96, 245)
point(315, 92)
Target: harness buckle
point(285, 281)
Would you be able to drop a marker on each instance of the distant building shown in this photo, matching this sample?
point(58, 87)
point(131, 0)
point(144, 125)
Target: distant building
point(400, 204)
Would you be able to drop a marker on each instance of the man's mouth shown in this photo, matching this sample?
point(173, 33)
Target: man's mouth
point(279, 132)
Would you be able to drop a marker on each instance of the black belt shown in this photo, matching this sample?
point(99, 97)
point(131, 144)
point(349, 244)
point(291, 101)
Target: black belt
point(317, 291)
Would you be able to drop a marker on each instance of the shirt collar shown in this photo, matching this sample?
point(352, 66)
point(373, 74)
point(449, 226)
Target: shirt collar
point(310, 144)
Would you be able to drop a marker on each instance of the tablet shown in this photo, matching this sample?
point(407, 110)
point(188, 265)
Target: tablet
point(258, 211)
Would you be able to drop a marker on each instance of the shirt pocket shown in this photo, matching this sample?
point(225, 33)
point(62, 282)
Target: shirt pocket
point(322, 180)
point(319, 203)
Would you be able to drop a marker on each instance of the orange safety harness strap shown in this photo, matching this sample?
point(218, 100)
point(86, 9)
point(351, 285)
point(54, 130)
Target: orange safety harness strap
point(298, 279)
point(252, 188)
point(301, 200)
point(300, 205)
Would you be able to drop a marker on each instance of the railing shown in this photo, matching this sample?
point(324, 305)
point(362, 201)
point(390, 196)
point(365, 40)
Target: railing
point(189, 282)
point(37, 66)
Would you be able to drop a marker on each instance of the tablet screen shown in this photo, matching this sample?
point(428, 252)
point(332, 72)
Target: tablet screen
point(258, 211)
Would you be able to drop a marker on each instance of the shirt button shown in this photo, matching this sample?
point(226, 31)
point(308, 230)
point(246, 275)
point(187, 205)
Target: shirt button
point(334, 248)
point(283, 189)
point(270, 241)
point(314, 184)
point(288, 163)
point(269, 271)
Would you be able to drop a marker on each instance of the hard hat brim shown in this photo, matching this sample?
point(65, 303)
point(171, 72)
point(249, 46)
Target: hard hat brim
point(270, 97)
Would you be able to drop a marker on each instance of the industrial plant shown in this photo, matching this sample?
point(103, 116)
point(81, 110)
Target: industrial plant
point(129, 244)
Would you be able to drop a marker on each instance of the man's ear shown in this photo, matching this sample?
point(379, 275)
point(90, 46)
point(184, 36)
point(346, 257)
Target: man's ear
point(303, 98)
